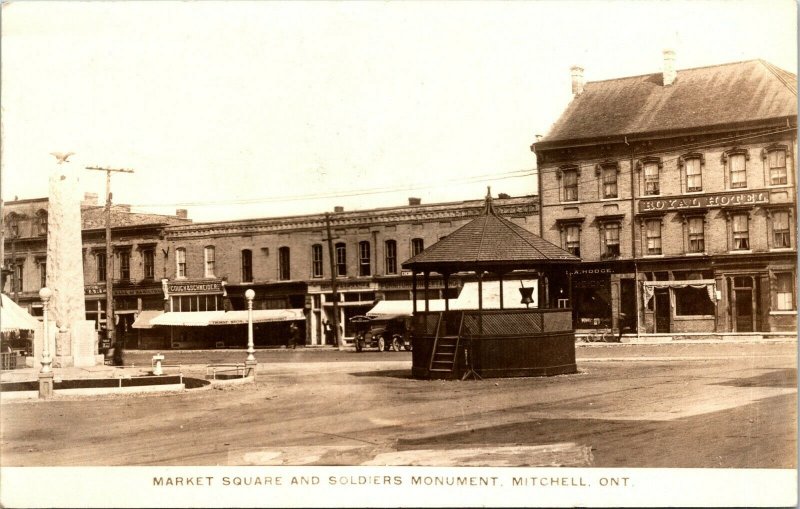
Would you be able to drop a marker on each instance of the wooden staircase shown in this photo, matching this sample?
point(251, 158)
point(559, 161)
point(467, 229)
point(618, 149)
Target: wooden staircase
point(444, 354)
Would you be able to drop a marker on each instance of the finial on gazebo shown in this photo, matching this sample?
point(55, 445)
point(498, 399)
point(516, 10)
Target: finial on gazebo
point(489, 209)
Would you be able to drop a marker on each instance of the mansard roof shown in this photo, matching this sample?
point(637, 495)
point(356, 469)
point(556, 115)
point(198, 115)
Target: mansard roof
point(489, 242)
point(735, 94)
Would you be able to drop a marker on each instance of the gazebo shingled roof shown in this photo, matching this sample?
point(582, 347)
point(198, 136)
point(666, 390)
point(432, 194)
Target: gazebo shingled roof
point(489, 242)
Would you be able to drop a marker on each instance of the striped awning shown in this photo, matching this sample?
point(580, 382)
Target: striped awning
point(186, 318)
point(144, 320)
point(13, 317)
point(259, 316)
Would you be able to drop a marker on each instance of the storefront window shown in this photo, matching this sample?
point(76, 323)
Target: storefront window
point(692, 302)
point(592, 298)
point(784, 291)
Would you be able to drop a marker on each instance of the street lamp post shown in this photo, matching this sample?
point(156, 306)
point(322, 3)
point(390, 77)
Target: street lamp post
point(250, 363)
point(46, 373)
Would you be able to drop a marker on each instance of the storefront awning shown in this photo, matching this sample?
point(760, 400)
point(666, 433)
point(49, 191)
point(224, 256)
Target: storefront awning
point(394, 308)
point(143, 321)
point(649, 287)
point(13, 317)
point(259, 316)
point(187, 318)
point(468, 298)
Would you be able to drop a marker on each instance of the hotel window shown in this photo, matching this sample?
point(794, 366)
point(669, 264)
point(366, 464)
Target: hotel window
point(283, 263)
point(569, 183)
point(41, 222)
point(101, 266)
point(124, 265)
point(180, 262)
point(149, 262)
point(694, 175)
point(738, 173)
point(341, 259)
point(776, 162)
point(316, 260)
point(610, 240)
point(391, 257)
point(609, 182)
point(417, 246)
point(363, 258)
point(784, 291)
point(209, 261)
point(741, 232)
point(651, 179)
point(780, 229)
point(572, 240)
point(653, 234)
point(696, 226)
point(247, 266)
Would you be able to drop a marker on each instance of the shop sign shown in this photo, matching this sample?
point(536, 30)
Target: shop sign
point(121, 292)
point(347, 286)
point(437, 283)
point(714, 200)
point(205, 287)
point(580, 272)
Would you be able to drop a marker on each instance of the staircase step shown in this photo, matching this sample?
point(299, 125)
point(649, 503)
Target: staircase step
point(439, 370)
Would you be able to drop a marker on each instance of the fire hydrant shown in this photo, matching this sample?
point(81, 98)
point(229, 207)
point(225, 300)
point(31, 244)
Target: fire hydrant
point(157, 368)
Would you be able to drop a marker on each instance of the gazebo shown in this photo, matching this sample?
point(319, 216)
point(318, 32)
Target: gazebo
point(508, 341)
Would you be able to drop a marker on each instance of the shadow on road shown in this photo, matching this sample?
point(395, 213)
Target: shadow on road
point(393, 373)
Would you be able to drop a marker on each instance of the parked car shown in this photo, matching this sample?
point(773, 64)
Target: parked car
point(382, 333)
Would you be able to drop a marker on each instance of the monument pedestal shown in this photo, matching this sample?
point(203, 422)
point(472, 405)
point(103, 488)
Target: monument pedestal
point(84, 344)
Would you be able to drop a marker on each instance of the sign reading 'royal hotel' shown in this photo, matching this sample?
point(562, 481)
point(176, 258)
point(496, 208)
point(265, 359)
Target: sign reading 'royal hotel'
point(716, 200)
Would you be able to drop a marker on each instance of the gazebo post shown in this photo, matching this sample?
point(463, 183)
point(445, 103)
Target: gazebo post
point(546, 292)
point(414, 291)
point(480, 302)
point(425, 276)
point(446, 276)
point(500, 275)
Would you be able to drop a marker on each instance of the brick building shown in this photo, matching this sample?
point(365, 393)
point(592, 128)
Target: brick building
point(138, 263)
point(678, 192)
point(286, 261)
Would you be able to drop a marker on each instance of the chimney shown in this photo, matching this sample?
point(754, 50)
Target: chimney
point(338, 208)
point(415, 201)
point(182, 213)
point(89, 200)
point(576, 72)
point(669, 67)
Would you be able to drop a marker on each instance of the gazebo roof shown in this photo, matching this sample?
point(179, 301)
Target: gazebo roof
point(489, 242)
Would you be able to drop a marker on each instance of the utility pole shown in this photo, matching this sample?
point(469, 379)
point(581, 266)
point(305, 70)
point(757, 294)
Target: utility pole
point(335, 295)
point(109, 266)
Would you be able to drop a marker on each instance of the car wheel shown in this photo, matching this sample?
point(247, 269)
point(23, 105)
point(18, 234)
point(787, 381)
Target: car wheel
point(381, 344)
point(407, 346)
point(397, 343)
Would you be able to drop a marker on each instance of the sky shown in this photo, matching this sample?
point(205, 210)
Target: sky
point(238, 110)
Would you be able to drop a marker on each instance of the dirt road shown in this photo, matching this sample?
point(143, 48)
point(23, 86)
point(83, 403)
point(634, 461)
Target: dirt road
point(720, 405)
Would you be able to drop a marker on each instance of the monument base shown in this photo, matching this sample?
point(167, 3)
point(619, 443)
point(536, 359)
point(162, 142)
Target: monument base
point(84, 344)
point(63, 361)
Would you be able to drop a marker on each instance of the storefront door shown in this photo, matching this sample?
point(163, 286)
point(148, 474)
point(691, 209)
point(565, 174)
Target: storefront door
point(662, 310)
point(744, 304)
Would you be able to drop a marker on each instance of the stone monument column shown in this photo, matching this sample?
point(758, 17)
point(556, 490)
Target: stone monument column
point(76, 341)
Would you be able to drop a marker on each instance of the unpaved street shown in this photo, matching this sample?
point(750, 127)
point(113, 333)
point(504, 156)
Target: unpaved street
point(703, 405)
